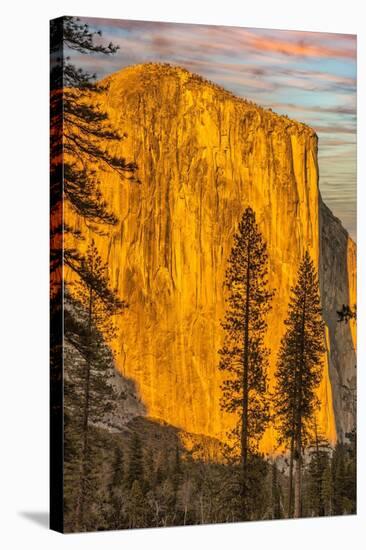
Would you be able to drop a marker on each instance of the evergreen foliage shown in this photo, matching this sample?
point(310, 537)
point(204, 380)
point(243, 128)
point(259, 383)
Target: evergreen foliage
point(79, 131)
point(135, 469)
point(276, 493)
point(343, 471)
point(244, 356)
point(299, 369)
point(318, 474)
point(346, 313)
point(88, 383)
point(206, 492)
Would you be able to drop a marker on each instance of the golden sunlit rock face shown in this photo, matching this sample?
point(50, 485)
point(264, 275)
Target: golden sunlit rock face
point(204, 156)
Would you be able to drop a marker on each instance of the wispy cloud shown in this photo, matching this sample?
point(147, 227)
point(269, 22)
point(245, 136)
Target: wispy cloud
point(309, 76)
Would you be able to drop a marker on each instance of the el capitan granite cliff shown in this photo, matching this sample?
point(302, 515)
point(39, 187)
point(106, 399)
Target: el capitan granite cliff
point(204, 155)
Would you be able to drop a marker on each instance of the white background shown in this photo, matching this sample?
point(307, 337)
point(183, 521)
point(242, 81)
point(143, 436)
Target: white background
point(24, 273)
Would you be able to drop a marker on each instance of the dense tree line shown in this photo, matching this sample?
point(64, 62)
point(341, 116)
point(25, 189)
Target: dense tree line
point(133, 483)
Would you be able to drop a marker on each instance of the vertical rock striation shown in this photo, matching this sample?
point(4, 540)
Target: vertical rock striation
point(203, 156)
point(337, 270)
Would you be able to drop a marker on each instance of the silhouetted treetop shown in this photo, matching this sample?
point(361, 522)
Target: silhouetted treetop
point(346, 313)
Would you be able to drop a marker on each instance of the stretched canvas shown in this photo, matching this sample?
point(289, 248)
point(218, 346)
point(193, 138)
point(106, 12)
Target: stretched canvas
point(203, 274)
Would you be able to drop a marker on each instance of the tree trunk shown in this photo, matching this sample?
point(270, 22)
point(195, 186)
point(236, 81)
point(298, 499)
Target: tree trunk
point(84, 449)
point(291, 475)
point(201, 507)
point(297, 508)
point(321, 511)
point(298, 439)
point(244, 419)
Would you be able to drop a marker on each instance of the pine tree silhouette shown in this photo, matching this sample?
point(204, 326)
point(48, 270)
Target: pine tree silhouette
point(244, 356)
point(298, 374)
point(346, 314)
point(89, 391)
point(79, 130)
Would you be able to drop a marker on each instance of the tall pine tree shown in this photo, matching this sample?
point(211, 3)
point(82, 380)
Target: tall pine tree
point(79, 131)
point(90, 389)
point(299, 369)
point(244, 356)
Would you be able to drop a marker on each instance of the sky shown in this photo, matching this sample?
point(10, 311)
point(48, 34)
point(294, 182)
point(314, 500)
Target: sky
point(311, 77)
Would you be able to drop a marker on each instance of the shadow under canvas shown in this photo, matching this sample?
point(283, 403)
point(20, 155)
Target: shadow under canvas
point(40, 518)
